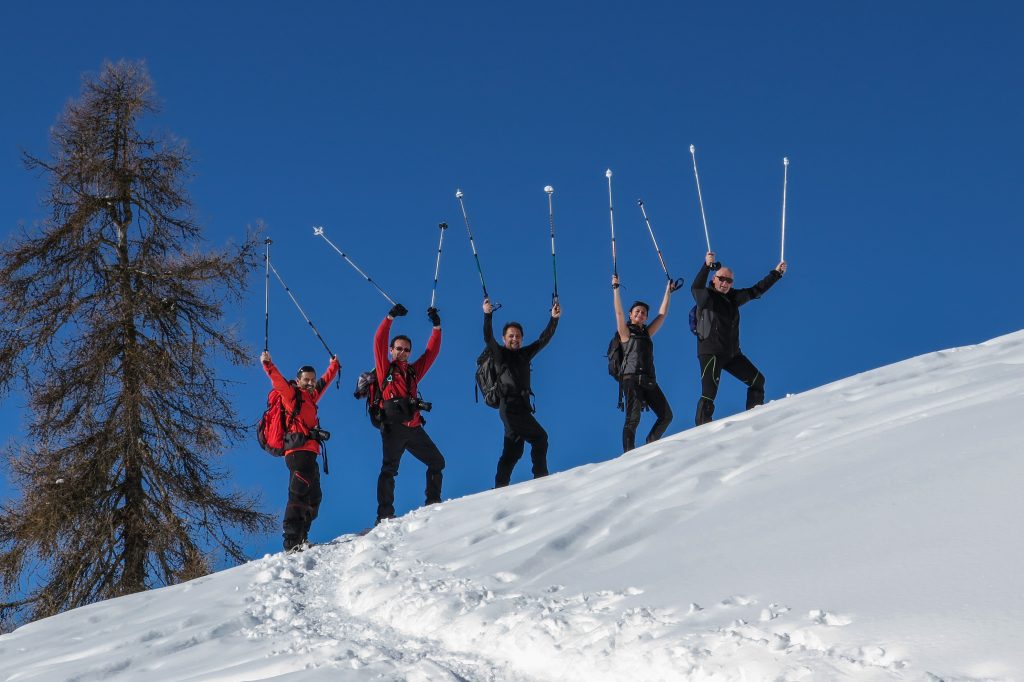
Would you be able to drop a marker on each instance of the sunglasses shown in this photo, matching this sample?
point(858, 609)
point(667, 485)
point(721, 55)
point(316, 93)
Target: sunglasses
point(727, 280)
point(400, 349)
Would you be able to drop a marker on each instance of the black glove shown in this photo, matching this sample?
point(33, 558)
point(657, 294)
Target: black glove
point(397, 310)
point(435, 319)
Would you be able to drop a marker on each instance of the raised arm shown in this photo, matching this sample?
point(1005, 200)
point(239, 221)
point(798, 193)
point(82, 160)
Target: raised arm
point(381, 358)
point(699, 286)
point(424, 362)
point(545, 336)
point(656, 323)
point(333, 368)
point(759, 289)
point(489, 339)
point(620, 317)
point(281, 385)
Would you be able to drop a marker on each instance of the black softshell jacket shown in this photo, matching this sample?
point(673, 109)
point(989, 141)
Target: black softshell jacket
point(638, 353)
point(513, 366)
point(724, 338)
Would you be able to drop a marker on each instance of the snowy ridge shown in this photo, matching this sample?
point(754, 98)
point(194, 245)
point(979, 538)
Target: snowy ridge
point(868, 529)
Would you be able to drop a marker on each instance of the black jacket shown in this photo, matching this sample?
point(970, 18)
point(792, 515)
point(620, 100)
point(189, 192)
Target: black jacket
point(513, 366)
point(724, 338)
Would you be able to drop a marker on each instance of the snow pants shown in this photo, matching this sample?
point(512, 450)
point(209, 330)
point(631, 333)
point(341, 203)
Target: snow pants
point(739, 366)
point(641, 391)
point(520, 428)
point(396, 439)
point(304, 495)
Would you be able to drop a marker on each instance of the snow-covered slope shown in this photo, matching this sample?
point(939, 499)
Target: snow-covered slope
point(868, 529)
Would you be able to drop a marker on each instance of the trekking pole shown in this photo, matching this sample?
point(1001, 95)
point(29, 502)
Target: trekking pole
point(551, 220)
point(611, 218)
point(319, 232)
point(700, 198)
point(675, 283)
point(785, 179)
point(266, 302)
point(480, 270)
point(437, 268)
point(301, 311)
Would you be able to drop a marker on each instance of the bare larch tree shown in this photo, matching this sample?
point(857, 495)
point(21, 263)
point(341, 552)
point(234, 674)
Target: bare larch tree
point(112, 317)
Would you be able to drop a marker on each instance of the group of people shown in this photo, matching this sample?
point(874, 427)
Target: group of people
point(718, 348)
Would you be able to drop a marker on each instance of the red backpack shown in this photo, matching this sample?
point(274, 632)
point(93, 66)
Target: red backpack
point(272, 430)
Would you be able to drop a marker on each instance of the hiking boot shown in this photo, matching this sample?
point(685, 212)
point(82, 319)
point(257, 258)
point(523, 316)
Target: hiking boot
point(291, 542)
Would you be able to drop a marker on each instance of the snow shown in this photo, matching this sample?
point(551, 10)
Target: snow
point(864, 530)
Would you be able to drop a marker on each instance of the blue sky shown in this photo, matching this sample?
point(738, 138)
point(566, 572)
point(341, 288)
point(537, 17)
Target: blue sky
point(901, 123)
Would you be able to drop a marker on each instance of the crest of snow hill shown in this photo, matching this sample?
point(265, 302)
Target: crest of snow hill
point(864, 530)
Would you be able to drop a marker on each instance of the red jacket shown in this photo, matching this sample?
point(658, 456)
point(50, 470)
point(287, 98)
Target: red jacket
point(307, 416)
point(399, 386)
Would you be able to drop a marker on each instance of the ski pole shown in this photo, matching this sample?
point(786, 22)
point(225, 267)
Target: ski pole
point(266, 302)
point(469, 231)
point(785, 179)
point(551, 220)
point(611, 219)
point(437, 268)
point(700, 198)
point(301, 311)
point(319, 232)
point(676, 283)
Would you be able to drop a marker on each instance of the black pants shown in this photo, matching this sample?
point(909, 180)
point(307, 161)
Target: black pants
point(739, 366)
point(304, 494)
point(520, 428)
point(640, 391)
point(396, 439)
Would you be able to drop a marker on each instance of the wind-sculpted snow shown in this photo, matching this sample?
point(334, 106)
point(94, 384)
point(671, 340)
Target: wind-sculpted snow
point(866, 530)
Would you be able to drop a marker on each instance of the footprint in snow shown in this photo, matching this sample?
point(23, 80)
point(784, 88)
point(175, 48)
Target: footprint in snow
point(825, 618)
point(772, 612)
point(738, 600)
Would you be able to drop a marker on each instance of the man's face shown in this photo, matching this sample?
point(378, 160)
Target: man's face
point(513, 338)
point(307, 381)
point(637, 314)
point(723, 280)
point(400, 351)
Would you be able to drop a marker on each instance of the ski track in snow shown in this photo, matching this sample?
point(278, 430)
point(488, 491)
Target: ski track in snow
point(385, 605)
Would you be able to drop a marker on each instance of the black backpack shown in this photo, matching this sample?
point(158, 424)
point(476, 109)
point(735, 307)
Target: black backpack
point(487, 379)
point(615, 356)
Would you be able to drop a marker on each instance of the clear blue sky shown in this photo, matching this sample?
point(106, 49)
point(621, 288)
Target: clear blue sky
point(901, 123)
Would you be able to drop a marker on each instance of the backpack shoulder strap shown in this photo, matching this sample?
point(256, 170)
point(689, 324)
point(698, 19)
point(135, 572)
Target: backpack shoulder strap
point(627, 347)
point(410, 375)
point(294, 414)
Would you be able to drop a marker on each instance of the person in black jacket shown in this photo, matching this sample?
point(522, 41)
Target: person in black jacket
point(512, 364)
point(718, 340)
point(637, 378)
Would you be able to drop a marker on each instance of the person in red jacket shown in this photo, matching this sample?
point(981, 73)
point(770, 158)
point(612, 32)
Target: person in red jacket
point(304, 494)
point(402, 425)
